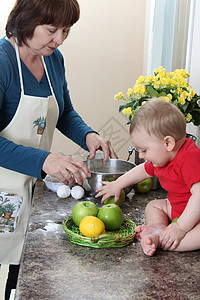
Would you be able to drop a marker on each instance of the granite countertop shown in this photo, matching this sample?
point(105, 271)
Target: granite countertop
point(54, 268)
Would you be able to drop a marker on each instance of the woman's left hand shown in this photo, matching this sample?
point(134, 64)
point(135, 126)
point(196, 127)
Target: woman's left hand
point(95, 142)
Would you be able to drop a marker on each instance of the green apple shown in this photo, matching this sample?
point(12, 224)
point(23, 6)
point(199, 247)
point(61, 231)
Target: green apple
point(143, 186)
point(83, 209)
point(111, 215)
point(110, 179)
point(120, 201)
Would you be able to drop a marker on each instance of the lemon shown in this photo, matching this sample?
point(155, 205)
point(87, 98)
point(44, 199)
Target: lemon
point(91, 226)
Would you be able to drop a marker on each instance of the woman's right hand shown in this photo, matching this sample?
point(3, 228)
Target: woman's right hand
point(62, 167)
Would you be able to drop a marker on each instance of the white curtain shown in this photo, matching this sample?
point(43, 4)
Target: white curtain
point(168, 34)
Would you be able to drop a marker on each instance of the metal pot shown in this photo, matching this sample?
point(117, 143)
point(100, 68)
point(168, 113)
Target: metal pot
point(113, 169)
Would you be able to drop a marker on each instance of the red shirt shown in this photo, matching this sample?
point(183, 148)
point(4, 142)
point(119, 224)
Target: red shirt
point(178, 176)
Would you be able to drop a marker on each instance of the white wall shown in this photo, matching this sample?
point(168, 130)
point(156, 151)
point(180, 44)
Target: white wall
point(6, 7)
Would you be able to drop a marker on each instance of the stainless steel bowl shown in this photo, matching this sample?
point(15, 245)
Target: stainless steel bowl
point(113, 169)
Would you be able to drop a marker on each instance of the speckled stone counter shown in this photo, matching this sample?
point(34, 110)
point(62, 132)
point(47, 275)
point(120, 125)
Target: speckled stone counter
point(54, 268)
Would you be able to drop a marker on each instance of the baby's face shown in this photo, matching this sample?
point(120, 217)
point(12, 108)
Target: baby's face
point(150, 148)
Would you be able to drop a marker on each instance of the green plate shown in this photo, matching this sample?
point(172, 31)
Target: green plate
point(111, 239)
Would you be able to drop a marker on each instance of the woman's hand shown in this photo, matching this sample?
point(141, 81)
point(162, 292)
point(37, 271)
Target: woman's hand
point(62, 167)
point(171, 237)
point(95, 142)
point(109, 189)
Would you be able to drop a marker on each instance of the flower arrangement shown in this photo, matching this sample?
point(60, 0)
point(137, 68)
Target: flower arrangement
point(171, 87)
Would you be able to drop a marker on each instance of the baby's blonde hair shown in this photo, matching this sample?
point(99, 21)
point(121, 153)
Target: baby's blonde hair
point(160, 118)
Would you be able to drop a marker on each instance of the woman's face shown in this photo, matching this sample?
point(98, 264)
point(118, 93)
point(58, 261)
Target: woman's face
point(46, 38)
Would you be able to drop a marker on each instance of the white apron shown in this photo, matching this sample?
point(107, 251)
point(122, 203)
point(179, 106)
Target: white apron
point(32, 125)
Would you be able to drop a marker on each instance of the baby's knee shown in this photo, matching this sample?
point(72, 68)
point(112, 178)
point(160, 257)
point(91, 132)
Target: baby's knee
point(151, 204)
point(161, 204)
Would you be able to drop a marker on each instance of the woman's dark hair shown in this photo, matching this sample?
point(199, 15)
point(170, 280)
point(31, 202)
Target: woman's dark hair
point(27, 14)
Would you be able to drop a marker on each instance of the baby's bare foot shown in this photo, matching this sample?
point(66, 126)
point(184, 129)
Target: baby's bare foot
point(142, 230)
point(149, 237)
point(149, 244)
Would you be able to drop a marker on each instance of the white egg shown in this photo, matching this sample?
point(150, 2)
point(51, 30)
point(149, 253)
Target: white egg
point(63, 191)
point(77, 192)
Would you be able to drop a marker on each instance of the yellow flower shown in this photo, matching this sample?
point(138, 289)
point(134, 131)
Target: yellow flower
point(155, 78)
point(147, 79)
point(187, 74)
point(156, 84)
point(173, 82)
point(179, 90)
point(129, 92)
point(174, 87)
point(138, 88)
point(181, 81)
point(162, 73)
point(164, 81)
point(165, 98)
point(160, 69)
point(181, 100)
point(191, 91)
point(188, 117)
point(182, 72)
point(119, 96)
point(169, 96)
point(140, 79)
point(127, 111)
point(185, 94)
point(142, 90)
point(177, 73)
point(184, 84)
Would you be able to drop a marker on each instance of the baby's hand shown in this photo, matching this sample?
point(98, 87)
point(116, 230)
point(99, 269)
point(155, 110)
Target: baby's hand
point(171, 237)
point(108, 189)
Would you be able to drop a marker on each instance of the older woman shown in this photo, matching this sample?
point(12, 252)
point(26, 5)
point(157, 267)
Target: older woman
point(34, 100)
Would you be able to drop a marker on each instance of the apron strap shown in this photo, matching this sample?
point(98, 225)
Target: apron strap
point(19, 66)
point(49, 81)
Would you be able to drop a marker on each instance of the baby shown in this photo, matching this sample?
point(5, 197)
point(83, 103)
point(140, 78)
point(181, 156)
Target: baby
point(158, 131)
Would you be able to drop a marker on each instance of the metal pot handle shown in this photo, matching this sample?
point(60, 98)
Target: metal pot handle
point(137, 159)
